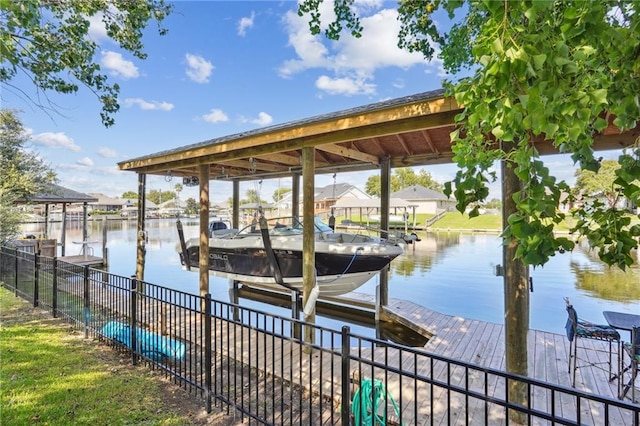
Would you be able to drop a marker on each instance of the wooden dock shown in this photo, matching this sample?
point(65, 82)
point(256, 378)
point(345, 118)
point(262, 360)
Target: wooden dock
point(476, 342)
point(82, 260)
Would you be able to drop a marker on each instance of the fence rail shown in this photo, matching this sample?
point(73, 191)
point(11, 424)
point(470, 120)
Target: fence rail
point(254, 362)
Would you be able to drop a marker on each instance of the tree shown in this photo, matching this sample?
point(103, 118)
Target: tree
point(49, 42)
point(555, 71)
point(192, 207)
point(178, 188)
point(551, 71)
point(130, 194)
point(402, 178)
point(253, 197)
point(158, 196)
point(592, 184)
point(493, 203)
point(279, 193)
point(24, 173)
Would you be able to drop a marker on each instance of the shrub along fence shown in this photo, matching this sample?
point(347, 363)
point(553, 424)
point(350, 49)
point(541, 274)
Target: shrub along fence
point(255, 364)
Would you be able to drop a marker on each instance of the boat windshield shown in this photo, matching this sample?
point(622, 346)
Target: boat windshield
point(284, 226)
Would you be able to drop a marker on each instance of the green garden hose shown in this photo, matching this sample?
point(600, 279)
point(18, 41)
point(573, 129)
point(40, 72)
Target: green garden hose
point(370, 396)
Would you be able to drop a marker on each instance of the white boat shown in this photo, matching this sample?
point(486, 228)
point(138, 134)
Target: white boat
point(343, 261)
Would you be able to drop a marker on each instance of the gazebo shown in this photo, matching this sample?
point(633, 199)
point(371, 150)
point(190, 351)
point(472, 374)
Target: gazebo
point(56, 194)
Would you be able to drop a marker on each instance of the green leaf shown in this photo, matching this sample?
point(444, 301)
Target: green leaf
point(539, 61)
point(497, 132)
point(496, 46)
point(599, 96)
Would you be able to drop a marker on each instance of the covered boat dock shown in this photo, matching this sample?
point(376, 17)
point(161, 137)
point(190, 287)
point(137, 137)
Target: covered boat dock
point(409, 131)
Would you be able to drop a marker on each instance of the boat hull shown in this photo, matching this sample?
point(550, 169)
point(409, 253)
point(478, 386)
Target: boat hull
point(340, 268)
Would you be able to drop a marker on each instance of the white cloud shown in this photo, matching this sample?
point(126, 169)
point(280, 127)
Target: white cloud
point(97, 29)
point(86, 161)
point(148, 105)
point(55, 140)
point(215, 116)
point(86, 172)
point(106, 152)
point(245, 23)
point(352, 61)
point(119, 66)
point(363, 5)
point(263, 119)
point(345, 86)
point(398, 83)
point(198, 68)
point(309, 49)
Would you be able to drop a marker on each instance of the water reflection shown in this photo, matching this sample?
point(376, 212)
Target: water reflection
point(607, 283)
point(451, 273)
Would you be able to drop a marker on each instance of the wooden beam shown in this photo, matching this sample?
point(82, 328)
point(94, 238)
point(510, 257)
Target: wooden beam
point(402, 142)
point(429, 142)
point(323, 157)
point(248, 148)
point(349, 153)
point(259, 165)
point(289, 160)
point(377, 143)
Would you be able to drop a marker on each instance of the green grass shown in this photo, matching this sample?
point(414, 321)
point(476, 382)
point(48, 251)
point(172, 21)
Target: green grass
point(455, 221)
point(458, 221)
point(51, 376)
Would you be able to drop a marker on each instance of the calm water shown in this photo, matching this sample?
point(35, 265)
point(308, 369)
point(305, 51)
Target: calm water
point(450, 273)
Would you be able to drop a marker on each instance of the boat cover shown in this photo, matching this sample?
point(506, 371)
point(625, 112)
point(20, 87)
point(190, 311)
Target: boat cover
point(150, 345)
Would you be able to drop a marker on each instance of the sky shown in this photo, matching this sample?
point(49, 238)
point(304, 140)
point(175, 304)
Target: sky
point(226, 67)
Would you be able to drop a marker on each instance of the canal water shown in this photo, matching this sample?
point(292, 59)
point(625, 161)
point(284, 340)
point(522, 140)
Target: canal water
point(451, 273)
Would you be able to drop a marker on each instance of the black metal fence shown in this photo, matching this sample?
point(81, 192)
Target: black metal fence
point(255, 365)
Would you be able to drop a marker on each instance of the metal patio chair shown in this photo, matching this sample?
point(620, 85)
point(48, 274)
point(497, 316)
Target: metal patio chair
point(577, 329)
point(633, 350)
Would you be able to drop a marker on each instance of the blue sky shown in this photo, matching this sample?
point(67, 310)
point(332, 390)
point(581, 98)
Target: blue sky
point(226, 67)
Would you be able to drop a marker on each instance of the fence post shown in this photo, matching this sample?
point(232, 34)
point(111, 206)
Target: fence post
point(54, 296)
point(133, 319)
point(346, 398)
point(86, 302)
point(15, 287)
point(2, 251)
point(207, 347)
point(36, 275)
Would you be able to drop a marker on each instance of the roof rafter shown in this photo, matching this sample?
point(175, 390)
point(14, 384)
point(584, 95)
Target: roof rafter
point(349, 153)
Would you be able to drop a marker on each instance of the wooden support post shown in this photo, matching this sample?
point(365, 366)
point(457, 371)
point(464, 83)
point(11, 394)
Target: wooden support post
point(141, 240)
point(385, 193)
point(308, 237)
point(234, 298)
point(85, 231)
point(46, 222)
point(163, 319)
point(63, 236)
point(236, 204)
point(516, 295)
point(295, 195)
point(203, 262)
point(105, 253)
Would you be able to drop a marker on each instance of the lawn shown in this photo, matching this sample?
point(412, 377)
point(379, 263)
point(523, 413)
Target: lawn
point(50, 374)
point(458, 221)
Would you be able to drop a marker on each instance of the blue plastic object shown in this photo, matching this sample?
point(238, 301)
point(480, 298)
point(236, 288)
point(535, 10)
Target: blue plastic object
point(150, 345)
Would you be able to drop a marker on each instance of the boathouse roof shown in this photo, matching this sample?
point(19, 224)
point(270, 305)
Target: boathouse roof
point(409, 131)
point(56, 194)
